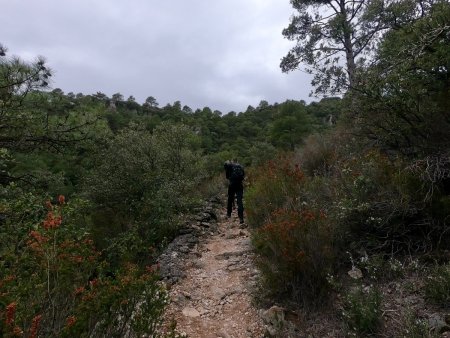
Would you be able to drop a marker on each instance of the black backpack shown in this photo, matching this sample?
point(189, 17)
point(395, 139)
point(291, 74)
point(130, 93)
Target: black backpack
point(237, 173)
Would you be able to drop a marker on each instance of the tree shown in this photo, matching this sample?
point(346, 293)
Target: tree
point(327, 30)
point(150, 105)
point(132, 105)
point(262, 104)
point(187, 110)
point(17, 80)
point(100, 96)
point(327, 109)
point(290, 128)
point(250, 108)
point(177, 105)
point(402, 103)
point(156, 180)
point(32, 119)
point(28, 119)
point(151, 102)
point(117, 97)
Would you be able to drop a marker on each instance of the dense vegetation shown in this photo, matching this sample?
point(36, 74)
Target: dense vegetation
point(92, 187)
point(371, 196)
point(126, 175)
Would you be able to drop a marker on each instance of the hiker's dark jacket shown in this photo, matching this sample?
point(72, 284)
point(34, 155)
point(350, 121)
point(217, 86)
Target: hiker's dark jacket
point(235, 189)
point(228, 173)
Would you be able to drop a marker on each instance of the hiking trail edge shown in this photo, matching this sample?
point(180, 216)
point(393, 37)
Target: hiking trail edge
point(214, 299)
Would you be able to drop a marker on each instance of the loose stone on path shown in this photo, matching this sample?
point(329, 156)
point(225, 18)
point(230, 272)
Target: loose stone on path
point(190, 312)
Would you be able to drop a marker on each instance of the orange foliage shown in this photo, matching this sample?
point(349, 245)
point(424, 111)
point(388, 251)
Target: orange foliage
point(71, 320)
point(17, 331)
point(280, 168)
point(61, 199)
point(295, 237)
point(35, 326)
point(10, 313)
point(52, 221)
point(79, 290)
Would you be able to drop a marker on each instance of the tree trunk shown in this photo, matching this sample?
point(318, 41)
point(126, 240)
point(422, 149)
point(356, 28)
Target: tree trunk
point(349, 53)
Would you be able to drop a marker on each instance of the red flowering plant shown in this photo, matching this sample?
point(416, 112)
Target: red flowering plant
point(292, 236)
point(133, 301)
point(296, 252)
point(54, 284)
point(272, 186)
point(40, 273)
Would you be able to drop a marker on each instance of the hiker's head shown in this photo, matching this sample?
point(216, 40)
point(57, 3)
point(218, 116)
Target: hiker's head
point(234, 160)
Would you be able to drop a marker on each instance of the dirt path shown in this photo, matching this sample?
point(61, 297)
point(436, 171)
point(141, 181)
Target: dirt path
point(214, 299)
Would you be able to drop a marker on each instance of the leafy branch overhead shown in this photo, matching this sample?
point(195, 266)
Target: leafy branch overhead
point(333, 37)
point(30, 116)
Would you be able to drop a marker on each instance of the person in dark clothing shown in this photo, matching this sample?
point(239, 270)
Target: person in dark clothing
point(235, 174)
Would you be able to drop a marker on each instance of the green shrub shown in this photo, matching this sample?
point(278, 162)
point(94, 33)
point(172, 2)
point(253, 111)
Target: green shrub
point(437, 286)
point(382, 206)
point(362, 310)
point(132, 304)
point(418, 328)
point(273, 185)
point(213, 187)
point(154, 184)
point(295, 254)
point(377, 267)
point(54, 282)
point(293, 239)
point(261, 152)
point(318, 155)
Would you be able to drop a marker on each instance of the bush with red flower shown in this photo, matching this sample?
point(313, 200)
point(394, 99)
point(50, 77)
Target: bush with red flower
point(53, 282)
point(293, 237)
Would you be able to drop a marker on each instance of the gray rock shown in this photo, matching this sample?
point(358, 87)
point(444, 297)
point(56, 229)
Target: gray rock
point(227, 255)
point(173, 260)
point(437, 323)
point(355, 273)
point(198, 264)
point(184, 231)
point(231, 236)
point(274, 319)
point(184, 249)
point(218, 293)
point(179, 299)
point(212, 214)
point(216, 200)
point(190, 312)
point(222, 334)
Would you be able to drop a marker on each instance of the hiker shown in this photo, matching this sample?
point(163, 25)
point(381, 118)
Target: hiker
point(235, 174)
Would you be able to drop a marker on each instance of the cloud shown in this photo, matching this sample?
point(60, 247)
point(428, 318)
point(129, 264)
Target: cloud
point(223, 54)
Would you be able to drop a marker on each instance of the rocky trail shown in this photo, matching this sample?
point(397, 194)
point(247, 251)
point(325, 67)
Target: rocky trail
point(210, 274)
point(211, 278)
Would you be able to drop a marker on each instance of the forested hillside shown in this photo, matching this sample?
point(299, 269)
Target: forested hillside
point(347, 198)
point(94, 187)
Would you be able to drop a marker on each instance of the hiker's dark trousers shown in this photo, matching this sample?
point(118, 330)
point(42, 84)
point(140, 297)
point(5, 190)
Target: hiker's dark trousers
point(238, 190)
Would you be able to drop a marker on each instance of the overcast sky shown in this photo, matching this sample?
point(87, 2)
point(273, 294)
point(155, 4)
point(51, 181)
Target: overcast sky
point(223, 54)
